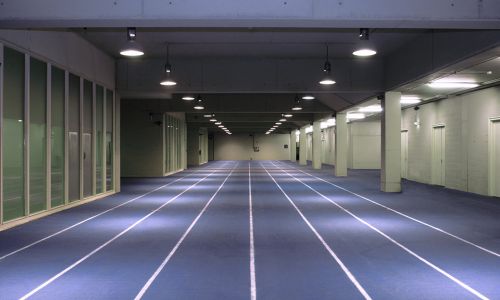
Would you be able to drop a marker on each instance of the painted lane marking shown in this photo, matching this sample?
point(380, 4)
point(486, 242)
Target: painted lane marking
point(93, 217)
point(433, 266)
point(404, 215)
point(253, 284)
point(55, 277)
point(348, 273)
point(153, 277)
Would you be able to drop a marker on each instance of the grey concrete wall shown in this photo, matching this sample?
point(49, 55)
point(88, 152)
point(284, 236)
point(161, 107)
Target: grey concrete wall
point(240, 147)
point(141, 144)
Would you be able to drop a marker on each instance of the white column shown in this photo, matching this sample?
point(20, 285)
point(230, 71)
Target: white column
point(341, 145)
point(391, 143)
point(316, 145)
point(293, 146)
point(303, 147)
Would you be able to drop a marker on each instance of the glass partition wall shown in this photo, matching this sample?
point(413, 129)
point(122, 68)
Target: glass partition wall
point(57, 136)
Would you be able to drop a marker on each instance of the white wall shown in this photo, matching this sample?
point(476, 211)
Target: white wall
point(364, 140)
point(328, 146)
point(466, 120)
point(67, 50)
point(364, 145)
point(239, 147)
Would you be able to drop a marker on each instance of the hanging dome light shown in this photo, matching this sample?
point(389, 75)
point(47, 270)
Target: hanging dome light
point(364, 47)
point(199, 104)
point(167, 78)
point(287, 115)
point(308, 97)
point(131, 48)
point(188, 98)
point(297, 105)
point(327, 69)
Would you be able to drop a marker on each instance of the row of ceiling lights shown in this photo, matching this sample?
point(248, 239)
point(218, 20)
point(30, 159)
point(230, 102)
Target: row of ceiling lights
point(364, 48)
point(133, 49)
point(217, 123)
point(280, 121)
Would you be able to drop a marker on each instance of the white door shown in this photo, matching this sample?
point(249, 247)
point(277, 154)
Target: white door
point(438, 155)
point(495, 158)
point(404, 154)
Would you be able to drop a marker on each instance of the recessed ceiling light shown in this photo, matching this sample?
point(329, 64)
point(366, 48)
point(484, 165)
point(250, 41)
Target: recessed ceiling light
point(453, 82)
point(410, 99)
point(452, 85)
point(355, 116)
point(371, 108)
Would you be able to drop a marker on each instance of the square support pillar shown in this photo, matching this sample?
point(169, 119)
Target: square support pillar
point(293, 146)
point(391, 143)
point(303, 147)
point(341, 145)
point(316, 145)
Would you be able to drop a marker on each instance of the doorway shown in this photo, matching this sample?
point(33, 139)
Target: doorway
point(404, 154)
point(494, 157)
point(438, 155)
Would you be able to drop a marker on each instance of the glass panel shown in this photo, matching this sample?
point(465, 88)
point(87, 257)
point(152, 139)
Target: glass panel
point(99, 138)
point(87, 139)
point(57, 138)
point(109, 140)
point(38, 136)
point(74, 137)
point(13, 135)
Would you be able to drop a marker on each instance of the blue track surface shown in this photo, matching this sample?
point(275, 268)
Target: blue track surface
point(315, 236)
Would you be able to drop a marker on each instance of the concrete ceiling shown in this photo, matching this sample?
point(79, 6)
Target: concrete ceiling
point(248, 42)
point(249, 59)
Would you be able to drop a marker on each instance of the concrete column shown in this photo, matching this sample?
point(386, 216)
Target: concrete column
point(341, 145)
point(316, 145)
point(391, 143)
point(293, 146)
point(303, 147)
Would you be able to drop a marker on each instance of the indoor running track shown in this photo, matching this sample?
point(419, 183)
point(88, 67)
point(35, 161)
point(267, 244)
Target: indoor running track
point(259, 230)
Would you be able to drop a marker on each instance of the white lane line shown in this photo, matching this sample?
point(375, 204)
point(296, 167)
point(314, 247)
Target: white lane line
point(43, 285)
point(179, 242)
point(93, 217)
point(351, 277)
point(406, 216)
point(438, 269)
point(253, 284)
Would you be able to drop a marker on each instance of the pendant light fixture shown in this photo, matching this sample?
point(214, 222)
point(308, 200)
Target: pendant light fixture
point(287, 115)
point(131, 48)
point(327, 69)
point(188, 98)
point(167, 77)
point(364, 47)
point(199, 103)
point(297, 105)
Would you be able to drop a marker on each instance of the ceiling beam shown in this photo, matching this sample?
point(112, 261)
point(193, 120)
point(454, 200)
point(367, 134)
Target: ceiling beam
point(257, 13)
